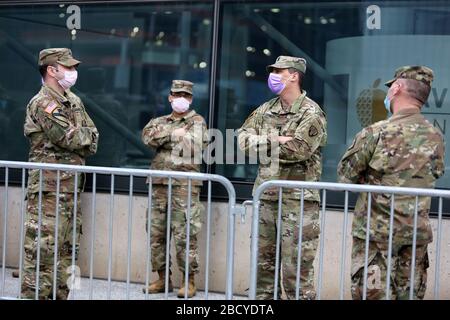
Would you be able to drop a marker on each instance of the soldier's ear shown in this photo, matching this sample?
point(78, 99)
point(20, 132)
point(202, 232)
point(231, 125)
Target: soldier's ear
point(51, 70)
point(396, 87)
point(170, 98)
point(294, 76)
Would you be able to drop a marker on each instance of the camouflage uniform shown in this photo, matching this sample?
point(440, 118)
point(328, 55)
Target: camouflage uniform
point(60, 131)
point(158, 134)
point(299, 159)
point(404, 150)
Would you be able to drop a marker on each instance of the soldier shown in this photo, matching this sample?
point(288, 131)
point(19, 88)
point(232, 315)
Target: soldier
point(183, 132)
point(60, 131)
point(300, 132)
point(406, 151)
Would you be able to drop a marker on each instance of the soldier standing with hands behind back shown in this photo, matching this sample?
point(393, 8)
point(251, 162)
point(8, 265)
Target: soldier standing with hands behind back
point(405, 151)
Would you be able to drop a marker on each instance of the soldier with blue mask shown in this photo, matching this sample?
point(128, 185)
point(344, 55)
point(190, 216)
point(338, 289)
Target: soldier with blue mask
point(405, 151)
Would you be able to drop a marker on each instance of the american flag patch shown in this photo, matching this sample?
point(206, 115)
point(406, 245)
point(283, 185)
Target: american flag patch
point(52, 106)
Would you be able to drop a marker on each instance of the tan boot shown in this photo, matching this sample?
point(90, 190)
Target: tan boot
point(158, 286)
point(15, 273)
point(192, 290)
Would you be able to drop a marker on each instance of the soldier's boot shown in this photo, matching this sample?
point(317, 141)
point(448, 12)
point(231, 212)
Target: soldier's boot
point(192, 290)
point(158, 286)
point(15, 273)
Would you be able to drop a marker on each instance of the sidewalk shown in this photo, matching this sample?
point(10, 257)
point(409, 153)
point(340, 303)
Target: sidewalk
point(100, 291)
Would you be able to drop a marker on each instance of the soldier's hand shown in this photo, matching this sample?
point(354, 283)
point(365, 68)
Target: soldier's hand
point(180, 132)
point(283, 139)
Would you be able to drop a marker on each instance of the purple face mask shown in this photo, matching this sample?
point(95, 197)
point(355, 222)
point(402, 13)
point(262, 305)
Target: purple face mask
point(275, 84)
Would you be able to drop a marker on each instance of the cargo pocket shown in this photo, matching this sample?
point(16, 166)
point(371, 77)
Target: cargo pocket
point(196, 217)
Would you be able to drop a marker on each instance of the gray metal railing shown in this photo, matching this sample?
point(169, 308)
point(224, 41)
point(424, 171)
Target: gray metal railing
point(346, 188)
point(113, 172)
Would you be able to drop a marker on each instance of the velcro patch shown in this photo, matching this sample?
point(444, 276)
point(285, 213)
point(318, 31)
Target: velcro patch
point(61, 119)
point(313, 131)
point(51, 107)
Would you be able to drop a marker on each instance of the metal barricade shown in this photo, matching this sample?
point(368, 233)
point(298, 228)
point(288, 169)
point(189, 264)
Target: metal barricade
point(114, 172)
point(346, 188)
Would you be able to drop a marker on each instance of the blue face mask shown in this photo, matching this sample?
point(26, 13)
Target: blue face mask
point(387, 105)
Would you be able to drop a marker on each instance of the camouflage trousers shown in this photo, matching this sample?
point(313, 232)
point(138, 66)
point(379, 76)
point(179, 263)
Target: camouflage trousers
point(289, 248)
point(377, 270)
point(47, 244)
point(179, 206)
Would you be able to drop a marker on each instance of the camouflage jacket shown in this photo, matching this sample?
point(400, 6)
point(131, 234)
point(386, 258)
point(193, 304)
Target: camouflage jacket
point(59, 131)
point(176, 153)
point(405, 151)
point(298, 159)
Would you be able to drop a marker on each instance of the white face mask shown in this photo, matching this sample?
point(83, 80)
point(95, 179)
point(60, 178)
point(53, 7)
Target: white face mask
point(180, 105)
point(70, 78)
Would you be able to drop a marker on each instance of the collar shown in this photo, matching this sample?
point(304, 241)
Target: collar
point(54, 94)
point(188, 115)
point(406, 111)
point(295, 107)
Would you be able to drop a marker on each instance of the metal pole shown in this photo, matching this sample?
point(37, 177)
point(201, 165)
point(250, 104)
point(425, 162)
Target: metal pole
point(74, 235)
point(212, 76)
point(110, 231)
point(230, 241)
point(391, 232)
point(344, 247)
point(322, 242)
point(254, 248)
point(22, 231)
point(366, 256)
point(168, 232)
point(188, 229)
point(299, 249)
point(413, 258)
point(5, 229)
point(93, 216)
point(208, 237)
point(55, 256)
point(438, 252)
point(38, 258)
point(149, 247)
point(278, 244)
point(130, 226)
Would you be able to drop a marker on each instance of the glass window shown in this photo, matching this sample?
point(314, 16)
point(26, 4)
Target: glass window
point(130, 53)
point(349, 59)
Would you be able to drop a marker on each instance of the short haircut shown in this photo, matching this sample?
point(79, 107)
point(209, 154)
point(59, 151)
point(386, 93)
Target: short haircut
point(417, 89)
point(43, 69)
point(300, 76)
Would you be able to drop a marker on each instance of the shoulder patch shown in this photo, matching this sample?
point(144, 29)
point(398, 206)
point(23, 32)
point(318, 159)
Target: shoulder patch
point(60, 118)
point(313, 131)
point(51, 107)
point(197, 118)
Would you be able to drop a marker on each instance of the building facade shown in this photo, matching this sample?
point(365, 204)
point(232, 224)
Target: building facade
point(131, 50)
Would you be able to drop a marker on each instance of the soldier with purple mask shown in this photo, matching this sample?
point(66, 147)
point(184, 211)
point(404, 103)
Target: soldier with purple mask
point(293, 127)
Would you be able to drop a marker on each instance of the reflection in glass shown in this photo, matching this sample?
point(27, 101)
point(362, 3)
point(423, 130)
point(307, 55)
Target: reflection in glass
point(347, 64)
point(129, 58)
